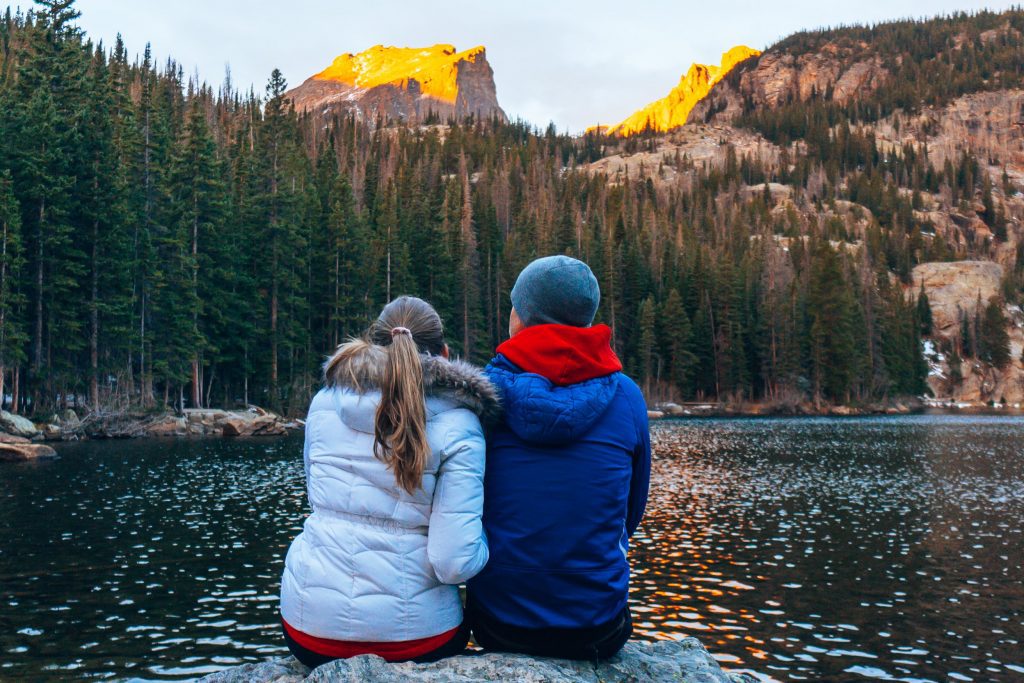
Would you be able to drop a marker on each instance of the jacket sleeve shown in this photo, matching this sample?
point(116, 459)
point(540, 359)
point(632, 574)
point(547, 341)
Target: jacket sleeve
point(456, 543)
point(640, 481)
point(305, 452)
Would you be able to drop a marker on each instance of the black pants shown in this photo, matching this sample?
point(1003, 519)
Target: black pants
point(593, 643)
point(453, 647)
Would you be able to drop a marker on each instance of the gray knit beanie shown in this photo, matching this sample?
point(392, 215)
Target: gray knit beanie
point(556, 290)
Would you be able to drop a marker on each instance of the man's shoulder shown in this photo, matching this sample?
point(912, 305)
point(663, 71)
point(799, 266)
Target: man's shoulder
point(630, 389)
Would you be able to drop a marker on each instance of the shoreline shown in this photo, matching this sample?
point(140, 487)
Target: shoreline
point(190, 423)
point(257, 422)
point(666, 411)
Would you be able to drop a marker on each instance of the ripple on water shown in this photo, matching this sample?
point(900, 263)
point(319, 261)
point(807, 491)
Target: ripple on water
point(795, 549)
point(834, 543)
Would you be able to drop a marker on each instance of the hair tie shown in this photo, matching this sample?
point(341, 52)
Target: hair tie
point(395, 331)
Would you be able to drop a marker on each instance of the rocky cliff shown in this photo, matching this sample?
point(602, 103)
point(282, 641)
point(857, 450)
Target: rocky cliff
point(833, 71)
point(685, 660)
point(956, 288)
point(672, 110)
point(403, 84)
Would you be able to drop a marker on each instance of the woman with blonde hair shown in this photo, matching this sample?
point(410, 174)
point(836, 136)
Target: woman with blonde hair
point(394, 459)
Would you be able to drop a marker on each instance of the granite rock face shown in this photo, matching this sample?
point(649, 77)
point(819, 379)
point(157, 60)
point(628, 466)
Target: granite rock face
point(672, 110)
point(17, 425)
point(839, 71)
point(684, 660)
point(403, 84)
point(15, 451)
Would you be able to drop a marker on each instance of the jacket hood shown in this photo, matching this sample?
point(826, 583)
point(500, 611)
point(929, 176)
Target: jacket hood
point(358, 365)
point(539, 411)
point(564, 355)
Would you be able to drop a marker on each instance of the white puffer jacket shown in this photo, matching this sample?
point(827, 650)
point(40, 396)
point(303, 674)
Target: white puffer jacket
point(374, 563)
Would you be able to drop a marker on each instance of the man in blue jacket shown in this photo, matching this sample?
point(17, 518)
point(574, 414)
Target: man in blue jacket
point(567, 476)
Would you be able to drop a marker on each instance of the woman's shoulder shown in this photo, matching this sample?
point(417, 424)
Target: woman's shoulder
point(449, 417)
point(458, 387)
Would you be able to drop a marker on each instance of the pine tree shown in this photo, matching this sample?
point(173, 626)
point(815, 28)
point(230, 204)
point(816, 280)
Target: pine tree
point(994, 340)
point(830, 307)
point(12, 336)
point(198, 213)
point(924, 312)
point(676, 338)
point(648, 344)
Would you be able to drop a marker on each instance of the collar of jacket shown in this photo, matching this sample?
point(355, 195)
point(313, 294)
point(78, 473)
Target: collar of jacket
point(562, 354)
point(359, 365)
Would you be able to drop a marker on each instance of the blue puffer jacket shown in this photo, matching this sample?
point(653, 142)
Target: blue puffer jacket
point(566, 482)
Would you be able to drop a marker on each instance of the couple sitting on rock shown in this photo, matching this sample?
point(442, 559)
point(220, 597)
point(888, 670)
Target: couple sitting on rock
point(402, 511)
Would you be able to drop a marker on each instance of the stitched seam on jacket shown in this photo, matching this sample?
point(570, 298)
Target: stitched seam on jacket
point(379, 523)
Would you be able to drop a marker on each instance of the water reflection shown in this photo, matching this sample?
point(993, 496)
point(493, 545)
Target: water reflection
point(839, 550)
point(150, 560)
point(797, 549)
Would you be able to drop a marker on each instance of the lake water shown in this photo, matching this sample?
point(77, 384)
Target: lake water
point(812, 549)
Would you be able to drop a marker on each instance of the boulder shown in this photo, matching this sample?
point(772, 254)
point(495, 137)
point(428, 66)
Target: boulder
point(20, 452)
point(207, 418)
point(69, 420)
point(52, 432)
point(168, 426)
point(655, 414)
point(17, 425)
point(673, 409)
point(10, 438)
point(268, 425)
point(238, 424)
point(666, 660)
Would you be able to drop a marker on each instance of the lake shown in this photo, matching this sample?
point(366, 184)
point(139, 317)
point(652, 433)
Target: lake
point(797, 549)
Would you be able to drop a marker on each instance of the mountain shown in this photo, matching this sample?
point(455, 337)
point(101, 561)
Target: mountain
point(908, 135)
point(932, 61)
point(405, 84)
point(672, 110)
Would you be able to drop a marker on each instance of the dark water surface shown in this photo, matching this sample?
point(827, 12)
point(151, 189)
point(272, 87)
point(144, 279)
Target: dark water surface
point(798, 549)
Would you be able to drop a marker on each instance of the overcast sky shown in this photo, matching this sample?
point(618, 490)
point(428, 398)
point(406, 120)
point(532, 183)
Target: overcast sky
point(576, 63)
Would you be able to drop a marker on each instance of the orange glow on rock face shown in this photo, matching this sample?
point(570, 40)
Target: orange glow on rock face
point(435, 68)
point(672, 110)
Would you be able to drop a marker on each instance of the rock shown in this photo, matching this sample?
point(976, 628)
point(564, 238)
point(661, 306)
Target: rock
point(268, 425)
point(780, 75)
point(665, 660)
point(17, 425)
point(655, 414)
point(207, 418)
point(19, 452)
point(239, 424)
point(673, 409)
point(69, 420)
point(10, 438)
point(404, 84)
point(168, 426)
point(672, 110)
point(52, 432)
point(955, 286)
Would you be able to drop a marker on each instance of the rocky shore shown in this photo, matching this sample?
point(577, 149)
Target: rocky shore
point(684, 660)
point(68, 426)
point(663, 410)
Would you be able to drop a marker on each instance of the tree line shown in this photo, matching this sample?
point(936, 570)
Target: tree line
point(168, 243)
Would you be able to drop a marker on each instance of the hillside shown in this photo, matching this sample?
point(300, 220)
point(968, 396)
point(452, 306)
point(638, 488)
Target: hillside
point(910, 133)
point(673, 110)
point(403, 84)
point(167, 243)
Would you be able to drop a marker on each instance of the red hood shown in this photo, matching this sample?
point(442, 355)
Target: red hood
point(564, 355)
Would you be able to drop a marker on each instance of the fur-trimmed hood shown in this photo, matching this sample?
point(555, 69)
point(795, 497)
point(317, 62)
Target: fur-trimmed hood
point(359, 365)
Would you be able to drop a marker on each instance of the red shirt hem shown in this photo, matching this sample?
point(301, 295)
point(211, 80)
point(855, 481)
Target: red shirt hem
point(393, 652)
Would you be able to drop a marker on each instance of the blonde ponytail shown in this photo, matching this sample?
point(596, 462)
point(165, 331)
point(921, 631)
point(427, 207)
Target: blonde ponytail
point(400, 431)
